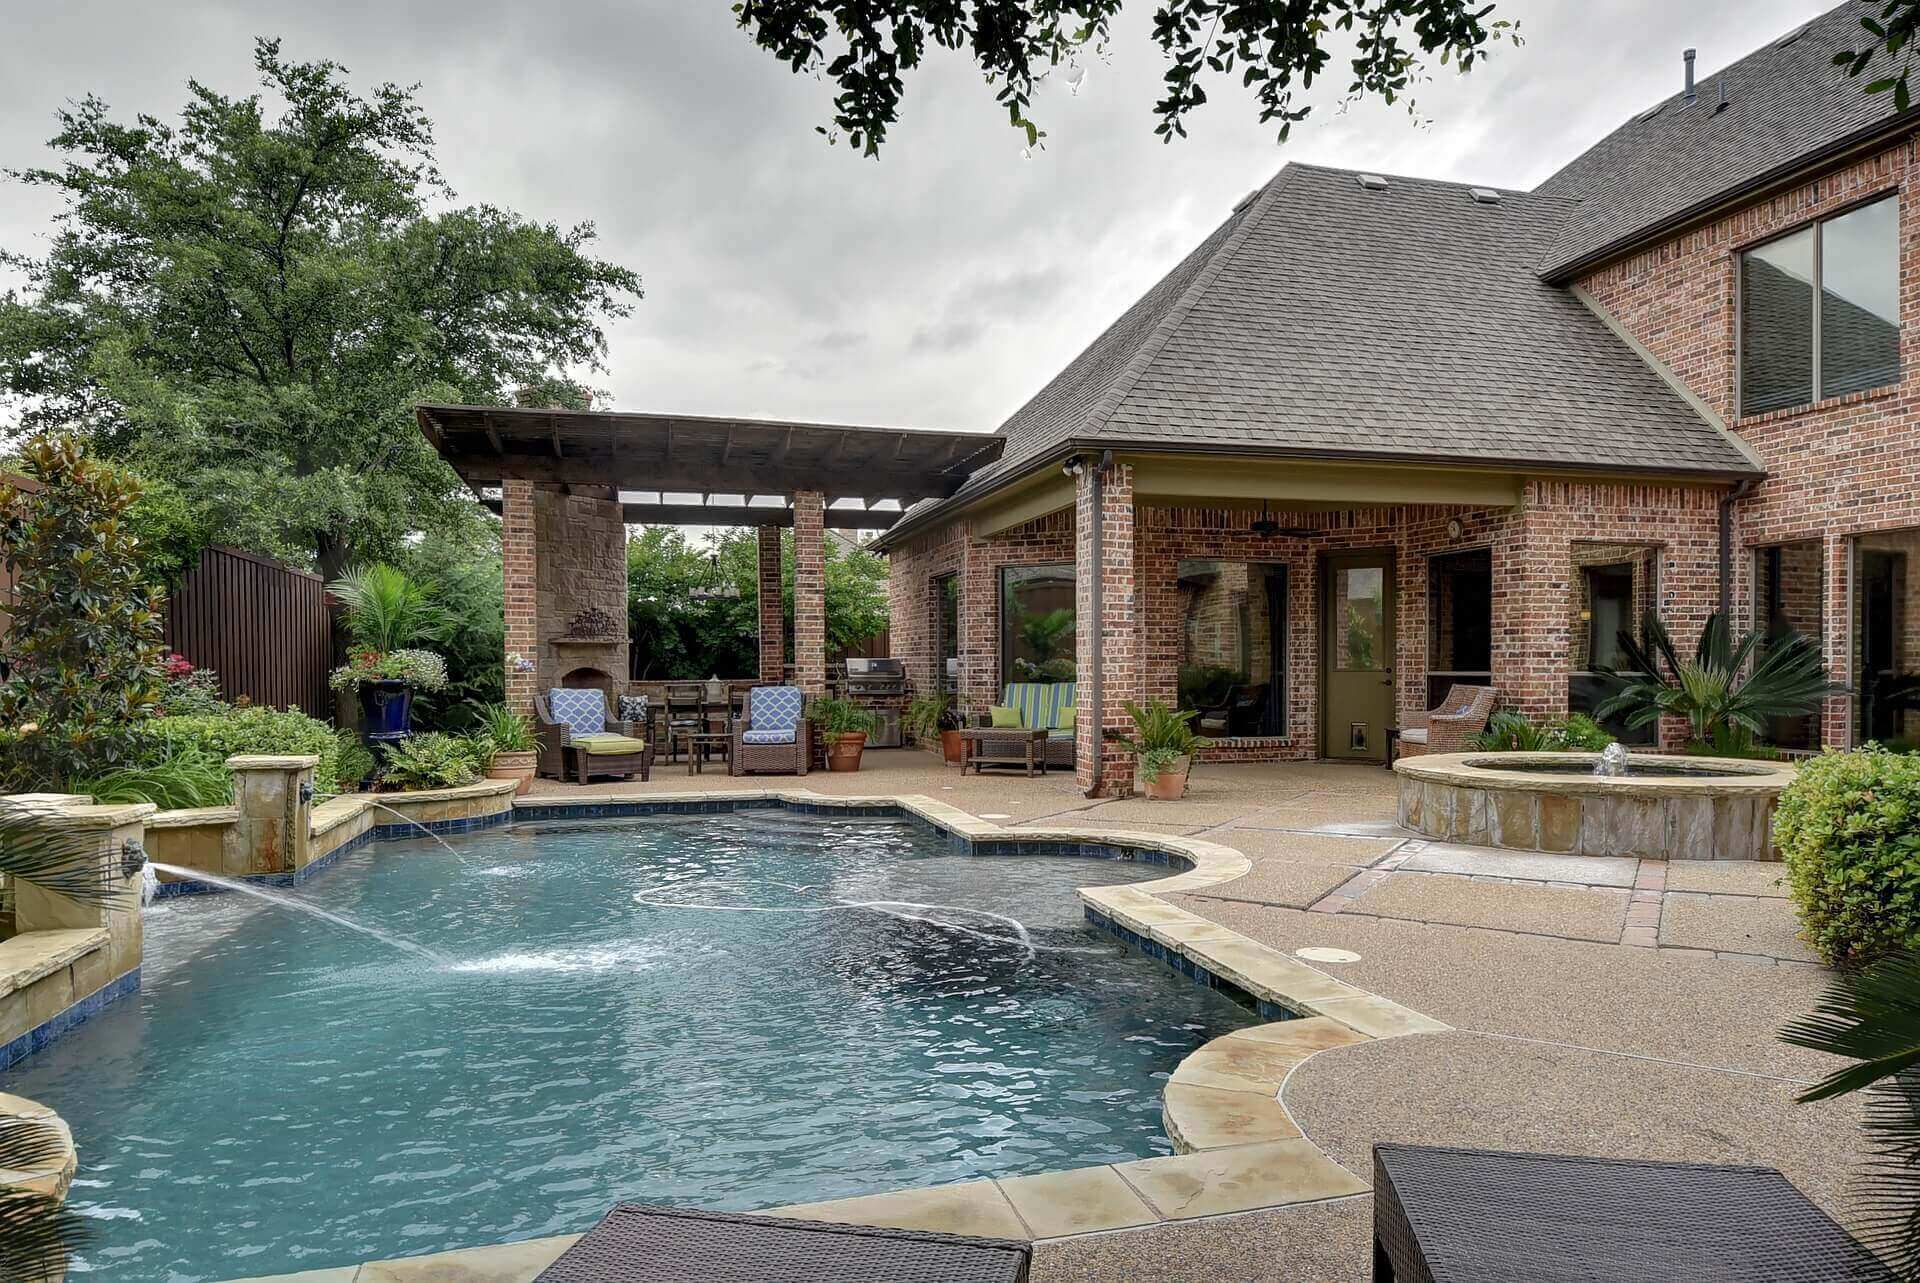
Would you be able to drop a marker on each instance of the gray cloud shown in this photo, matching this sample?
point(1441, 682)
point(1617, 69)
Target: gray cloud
point(937, 287)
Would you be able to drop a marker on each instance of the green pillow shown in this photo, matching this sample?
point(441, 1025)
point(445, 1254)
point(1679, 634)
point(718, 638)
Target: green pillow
point(1063, 720)
point(1004, 716)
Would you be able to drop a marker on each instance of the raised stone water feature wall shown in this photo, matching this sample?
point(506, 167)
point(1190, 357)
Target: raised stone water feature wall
point(1725, 812)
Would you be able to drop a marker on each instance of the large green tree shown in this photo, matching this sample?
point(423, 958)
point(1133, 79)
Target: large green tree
point(244, 306)
point(865, 47)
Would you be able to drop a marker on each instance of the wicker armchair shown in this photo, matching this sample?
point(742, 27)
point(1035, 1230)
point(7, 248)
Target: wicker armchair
point(775, 735)
point(1451, 727)
point(578, 738)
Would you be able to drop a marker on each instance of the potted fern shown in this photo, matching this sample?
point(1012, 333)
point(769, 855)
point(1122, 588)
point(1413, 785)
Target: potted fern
point(928, 716)
point(512, 750)
point(1163, 748)
point(844, 726)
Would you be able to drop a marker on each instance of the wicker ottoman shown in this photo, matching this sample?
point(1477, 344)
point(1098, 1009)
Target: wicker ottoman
point(1447, 1215)
point(640, 1243)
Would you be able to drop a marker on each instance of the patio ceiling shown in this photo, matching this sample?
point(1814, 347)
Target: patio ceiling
point(690, 460)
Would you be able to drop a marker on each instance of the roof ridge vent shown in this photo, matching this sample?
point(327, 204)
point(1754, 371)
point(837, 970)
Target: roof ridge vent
point(1372, 182)
point(1484, 195)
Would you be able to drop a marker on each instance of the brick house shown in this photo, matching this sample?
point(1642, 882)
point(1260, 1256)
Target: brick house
point(1378, 435)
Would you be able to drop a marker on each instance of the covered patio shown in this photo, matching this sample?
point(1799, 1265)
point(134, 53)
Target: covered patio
point(568, 484)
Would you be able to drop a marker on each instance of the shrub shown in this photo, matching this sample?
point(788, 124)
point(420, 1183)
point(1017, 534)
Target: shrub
point(420, 669)
point(83, 646)
point(1849, 829)
point(190, 691)
point(836, 717)
point(249, 730)
point(356, 761)
point(504, 731)
point(1164, 737)
point(928, 715)
point(434, 760)
point(1508, 731)
point(188, 776)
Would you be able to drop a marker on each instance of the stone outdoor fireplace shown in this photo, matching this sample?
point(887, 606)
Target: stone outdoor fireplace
point(580, 619)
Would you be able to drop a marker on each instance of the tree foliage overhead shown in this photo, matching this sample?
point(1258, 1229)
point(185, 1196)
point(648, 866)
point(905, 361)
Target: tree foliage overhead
point(865, 47)
point(1893, 30)
point(245, 305)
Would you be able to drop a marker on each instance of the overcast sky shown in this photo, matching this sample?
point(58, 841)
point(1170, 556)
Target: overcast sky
point(939, 286)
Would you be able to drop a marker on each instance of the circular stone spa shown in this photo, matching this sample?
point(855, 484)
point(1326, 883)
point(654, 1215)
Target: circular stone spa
point(1663, 808)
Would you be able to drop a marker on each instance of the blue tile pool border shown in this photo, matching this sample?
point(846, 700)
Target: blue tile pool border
point(65, 1022)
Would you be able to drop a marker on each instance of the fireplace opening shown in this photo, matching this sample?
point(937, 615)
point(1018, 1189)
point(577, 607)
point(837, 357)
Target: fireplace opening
point(589, 679)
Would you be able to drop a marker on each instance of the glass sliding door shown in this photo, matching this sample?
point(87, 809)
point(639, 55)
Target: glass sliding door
point(1789, 595)
point(1233, 645)
point(1886, 638)
point(1459, 622)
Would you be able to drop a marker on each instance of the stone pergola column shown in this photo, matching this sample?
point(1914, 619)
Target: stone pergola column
point(1113, 632)
point(773, 615)
point(810, 592)
point(517, 565)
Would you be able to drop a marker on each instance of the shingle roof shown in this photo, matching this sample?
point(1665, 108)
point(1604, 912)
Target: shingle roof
point(1785, 102)
point(1330, 319)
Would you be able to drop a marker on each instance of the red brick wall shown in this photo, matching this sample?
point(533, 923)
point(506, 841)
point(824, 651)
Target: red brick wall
point(809, 593)
point(517, 566)
point(772, 607)
point(1119, 637)
point(1838, 468)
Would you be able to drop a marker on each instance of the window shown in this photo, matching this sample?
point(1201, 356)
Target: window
point(1886, 638)
point(1615, 585)
point(1037, 624)
point(1789, 583)
point(1459, 621)
point(946, 604)
point(1233, 646)
point(1820, 308)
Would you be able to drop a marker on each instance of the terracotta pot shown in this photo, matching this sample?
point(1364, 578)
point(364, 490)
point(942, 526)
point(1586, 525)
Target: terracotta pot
point(518, 767)
point(843, 751)
point(950, 747)
point(1171, 784)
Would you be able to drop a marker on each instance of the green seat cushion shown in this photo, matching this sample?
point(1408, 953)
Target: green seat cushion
point(1063, 720)
point(1004, 716)
point(608, 744)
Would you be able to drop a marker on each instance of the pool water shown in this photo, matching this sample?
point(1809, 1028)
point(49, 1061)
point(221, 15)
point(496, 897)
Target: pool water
point(678, 1009)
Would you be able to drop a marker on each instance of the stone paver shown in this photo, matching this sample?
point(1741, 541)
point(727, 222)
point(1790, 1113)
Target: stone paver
point(1733, 924)
point(1209, 1118)
point(970, 1207)
point(505, 1263)
point(1585, 913)
point(1234, 1180)
point(1276, 882)
point(1269, 845)
point(1588, 870)
point(1076, 1202)
point(1306, 1243)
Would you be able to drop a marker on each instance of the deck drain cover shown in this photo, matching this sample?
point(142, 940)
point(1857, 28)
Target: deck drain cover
point(1315, 953)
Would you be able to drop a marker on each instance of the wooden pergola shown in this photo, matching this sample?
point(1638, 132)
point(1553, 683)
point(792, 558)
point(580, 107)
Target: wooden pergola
point(571, 481)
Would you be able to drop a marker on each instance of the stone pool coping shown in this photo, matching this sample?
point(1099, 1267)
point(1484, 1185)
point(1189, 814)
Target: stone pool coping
point(1238, 1147)
point(1483, 770)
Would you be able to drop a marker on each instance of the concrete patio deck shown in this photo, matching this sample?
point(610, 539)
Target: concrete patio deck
point(1597, 1006)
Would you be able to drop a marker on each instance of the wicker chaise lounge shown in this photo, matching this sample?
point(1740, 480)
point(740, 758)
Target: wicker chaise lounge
point(775, 736)
point(577, 738)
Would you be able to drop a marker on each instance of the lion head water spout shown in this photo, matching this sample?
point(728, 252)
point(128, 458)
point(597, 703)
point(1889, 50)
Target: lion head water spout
point(1613, 760)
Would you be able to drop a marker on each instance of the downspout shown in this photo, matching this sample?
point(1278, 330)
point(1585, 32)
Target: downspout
point(1740, 490)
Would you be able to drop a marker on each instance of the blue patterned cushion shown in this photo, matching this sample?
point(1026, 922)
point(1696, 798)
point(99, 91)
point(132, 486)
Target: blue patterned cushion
point(769, 737)
point(774, 709)
point(633, 708)
point(583, 712)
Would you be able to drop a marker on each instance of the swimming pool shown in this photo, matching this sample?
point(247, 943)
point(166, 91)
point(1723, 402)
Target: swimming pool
point(734, 1011)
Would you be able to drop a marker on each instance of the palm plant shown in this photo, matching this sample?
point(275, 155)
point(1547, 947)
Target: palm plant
point(1163, 737)
point(385, 610)
point(1873, 1017)
point(1724, 710)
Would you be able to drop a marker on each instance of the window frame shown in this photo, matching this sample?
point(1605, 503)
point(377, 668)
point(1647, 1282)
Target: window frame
point(1002, 580)
point(1817, 226)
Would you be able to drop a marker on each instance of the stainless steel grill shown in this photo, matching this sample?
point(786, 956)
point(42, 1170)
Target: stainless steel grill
point(879, 685)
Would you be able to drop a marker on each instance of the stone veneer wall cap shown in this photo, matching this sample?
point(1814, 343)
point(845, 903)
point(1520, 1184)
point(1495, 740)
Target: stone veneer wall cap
point(83, 817)
point(271, 762)
point(28, 957)
point(1485, 770)
point(193, 817)
point(50, 1176)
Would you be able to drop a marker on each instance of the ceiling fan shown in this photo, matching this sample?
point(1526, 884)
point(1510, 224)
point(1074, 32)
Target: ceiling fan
point(1268, 527)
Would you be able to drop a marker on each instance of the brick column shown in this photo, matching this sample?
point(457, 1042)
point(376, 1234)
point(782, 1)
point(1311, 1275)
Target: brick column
point(518, 565)
point(1837, 718)
point(1116, 634)
point(810, 592)
point(773, 614)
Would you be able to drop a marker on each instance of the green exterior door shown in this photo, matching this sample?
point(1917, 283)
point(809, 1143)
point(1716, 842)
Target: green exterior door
point(1356, 655)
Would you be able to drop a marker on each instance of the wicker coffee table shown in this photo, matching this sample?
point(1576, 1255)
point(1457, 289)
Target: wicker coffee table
point(1003, 746)
point(639, 1243)
point(1441, 1215)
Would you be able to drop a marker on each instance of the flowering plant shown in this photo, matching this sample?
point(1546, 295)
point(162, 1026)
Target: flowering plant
point(190, 691)
point(420, 669)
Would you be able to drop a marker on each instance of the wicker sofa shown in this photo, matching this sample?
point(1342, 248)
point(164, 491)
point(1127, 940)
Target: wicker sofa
point(1041, 705)
point(578, 739)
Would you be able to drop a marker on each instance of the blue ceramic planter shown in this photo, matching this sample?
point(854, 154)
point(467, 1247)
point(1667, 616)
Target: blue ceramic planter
point(387, 707)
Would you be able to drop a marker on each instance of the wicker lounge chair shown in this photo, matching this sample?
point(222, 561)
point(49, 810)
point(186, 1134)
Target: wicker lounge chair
point(638, 1243)
point(578, 739)
point(1476, 1215)
point(774, 736)
point(1451, 727)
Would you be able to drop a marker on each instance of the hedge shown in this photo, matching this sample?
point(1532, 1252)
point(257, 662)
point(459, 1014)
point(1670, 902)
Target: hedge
point(1849, 829)
point(253, 730)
